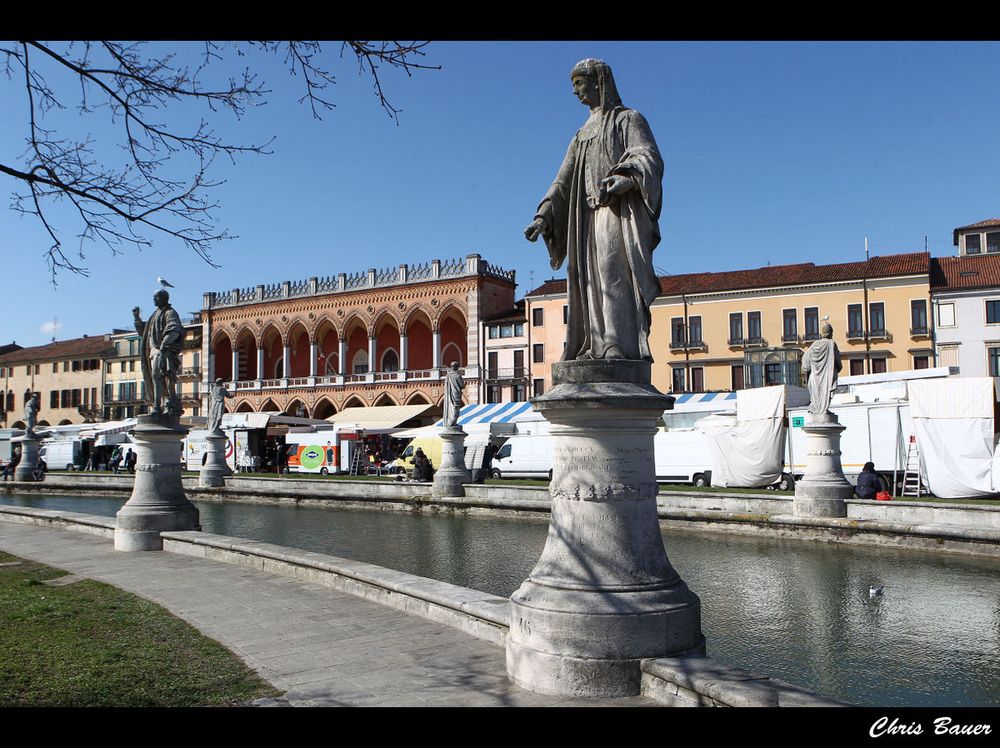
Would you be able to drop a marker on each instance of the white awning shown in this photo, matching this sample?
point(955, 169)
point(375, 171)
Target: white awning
point(111, 427)
point(378, 419)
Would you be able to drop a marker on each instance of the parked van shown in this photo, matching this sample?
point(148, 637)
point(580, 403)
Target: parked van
point(60, 454)
point(431, 445)
point(524, 456)
point(313, 453)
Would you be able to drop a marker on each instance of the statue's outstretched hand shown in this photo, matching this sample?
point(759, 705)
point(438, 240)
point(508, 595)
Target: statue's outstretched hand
point(536, 229)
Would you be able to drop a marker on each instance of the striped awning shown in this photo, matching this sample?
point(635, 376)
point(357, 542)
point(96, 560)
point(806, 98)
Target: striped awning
point(705, 401)
point(492, 413)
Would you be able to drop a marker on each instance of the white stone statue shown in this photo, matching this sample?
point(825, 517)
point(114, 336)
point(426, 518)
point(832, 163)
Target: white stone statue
point(821, 364)
point(31, 409)
point(217, 405)
point(601, 215)
point(453, 386)
point(160, 354)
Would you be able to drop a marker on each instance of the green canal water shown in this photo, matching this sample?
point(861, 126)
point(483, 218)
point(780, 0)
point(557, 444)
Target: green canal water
point(794, 610)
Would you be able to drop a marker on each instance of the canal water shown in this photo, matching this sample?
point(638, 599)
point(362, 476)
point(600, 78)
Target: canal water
point(794, 610)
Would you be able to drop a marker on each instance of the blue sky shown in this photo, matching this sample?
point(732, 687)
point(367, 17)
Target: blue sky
point(775, 152)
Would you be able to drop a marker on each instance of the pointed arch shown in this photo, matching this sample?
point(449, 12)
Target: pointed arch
point(63, 422)
point(300, 346)
point(246, 347)
point(355, 401)
point(269, 406)
point(418, 398)
point(222, 350)
point(454, 330)
point(420, 339)
point(384, 399)
point(244, 407)
point(296, 407)
point(328, 342)
point(271, 342)
point(323, 409)
point(386, 329)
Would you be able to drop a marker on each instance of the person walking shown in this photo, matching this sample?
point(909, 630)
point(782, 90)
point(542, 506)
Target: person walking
point(116, 460)
point(130, 459)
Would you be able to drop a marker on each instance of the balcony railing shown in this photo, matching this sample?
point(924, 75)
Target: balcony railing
point(855, 334)
point(810, 336)
point(345, 380)
point(189, 372)
point(754, 341)
point(734, 342)
point(879, 333)
point(921, 331)
point(516, 372)
point(790, 339)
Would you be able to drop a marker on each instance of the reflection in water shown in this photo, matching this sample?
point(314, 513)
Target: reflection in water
point(793, 610)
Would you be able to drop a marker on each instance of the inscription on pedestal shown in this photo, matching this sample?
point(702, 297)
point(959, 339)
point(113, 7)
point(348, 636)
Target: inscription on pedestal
point(588, 472)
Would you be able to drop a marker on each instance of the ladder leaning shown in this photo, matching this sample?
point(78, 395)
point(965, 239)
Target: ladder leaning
point(913, 482)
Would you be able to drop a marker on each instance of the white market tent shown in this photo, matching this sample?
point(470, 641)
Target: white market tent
point(378, 420)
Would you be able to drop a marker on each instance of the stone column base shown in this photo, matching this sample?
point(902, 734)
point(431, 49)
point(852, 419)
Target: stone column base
point(823, 488)
point(603, 596)
point(452, 475)
point(29, 457)
point(214, 470)
point(157, 502)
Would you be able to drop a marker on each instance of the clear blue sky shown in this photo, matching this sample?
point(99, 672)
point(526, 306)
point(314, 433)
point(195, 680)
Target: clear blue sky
point(775, 153)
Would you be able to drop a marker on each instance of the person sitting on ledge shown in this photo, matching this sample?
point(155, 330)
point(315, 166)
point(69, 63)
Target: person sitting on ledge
point(868, 484)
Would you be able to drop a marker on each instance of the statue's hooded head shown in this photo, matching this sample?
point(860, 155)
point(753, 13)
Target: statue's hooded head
point(600, 72)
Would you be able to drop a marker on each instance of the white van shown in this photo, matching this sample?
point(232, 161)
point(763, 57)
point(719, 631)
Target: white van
point(682, 456)
point(60, 454)
point(524, 456)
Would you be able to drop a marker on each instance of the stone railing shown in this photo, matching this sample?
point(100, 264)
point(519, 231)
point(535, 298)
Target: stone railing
point(339, 380)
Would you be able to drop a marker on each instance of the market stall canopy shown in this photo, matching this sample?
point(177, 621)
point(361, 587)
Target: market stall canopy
point(108, 428)
point(380, 419)
point(481, 417)
point(269, 420)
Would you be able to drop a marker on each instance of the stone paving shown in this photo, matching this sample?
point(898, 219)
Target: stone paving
point(323, 647)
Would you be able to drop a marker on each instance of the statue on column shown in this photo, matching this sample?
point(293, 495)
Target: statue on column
point(31, 408)
point(217, 405)
point(821, 364)
point(160, 355)
point(601, 214)
point(453, 386)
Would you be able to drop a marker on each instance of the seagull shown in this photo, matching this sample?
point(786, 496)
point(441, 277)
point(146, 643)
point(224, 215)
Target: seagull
point(874, 592)
point(164, 283)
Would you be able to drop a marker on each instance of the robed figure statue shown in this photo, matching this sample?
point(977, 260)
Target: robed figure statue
point(453, 386)
point(217, 405)
point(600, 215)
point(160, 354)
point(821, 364)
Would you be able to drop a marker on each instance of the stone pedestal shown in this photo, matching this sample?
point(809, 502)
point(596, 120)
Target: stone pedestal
point(158, 502)
point(823, 488)
point(452, 474)
point(29, 457)
point(215, 469)
point(603, 595)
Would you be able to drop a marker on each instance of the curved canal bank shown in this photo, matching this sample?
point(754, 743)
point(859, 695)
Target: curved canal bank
point(927, 526)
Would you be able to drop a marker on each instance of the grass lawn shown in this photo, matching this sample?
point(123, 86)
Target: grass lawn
point(90, 644)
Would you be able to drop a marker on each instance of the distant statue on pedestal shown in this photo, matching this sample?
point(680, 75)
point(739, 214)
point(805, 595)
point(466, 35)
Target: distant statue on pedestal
point(217, 405)
point(601, 214)
point(453, 387)
point(160, 355)
point(31, 409)
point(820, 365)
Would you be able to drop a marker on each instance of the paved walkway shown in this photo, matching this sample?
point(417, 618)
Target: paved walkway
point(323, 647)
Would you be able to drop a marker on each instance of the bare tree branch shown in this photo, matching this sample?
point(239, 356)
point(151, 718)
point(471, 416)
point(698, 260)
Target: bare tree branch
point(137, 88)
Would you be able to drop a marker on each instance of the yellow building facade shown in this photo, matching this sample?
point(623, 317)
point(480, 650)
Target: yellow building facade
point(744, 328)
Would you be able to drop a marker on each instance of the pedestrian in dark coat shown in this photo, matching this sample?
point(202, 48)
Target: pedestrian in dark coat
point(868, 484)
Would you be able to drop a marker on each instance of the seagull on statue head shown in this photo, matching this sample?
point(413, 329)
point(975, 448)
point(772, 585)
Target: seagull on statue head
point(164, 283)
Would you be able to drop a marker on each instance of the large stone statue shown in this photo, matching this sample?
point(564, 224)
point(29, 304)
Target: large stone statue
point(31, 414)
point(453, 387)
point(160, 354)
point(217, 405)
point(820, 364)
point(601, 215)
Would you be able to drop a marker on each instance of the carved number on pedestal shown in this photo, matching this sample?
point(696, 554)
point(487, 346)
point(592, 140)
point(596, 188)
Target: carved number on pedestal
point(524, 626)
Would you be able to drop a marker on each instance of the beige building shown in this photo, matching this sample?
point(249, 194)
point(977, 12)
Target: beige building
point(748, 328)
point(124, 390)
point(505, 350)
point(546, 312)
point(68, 375)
